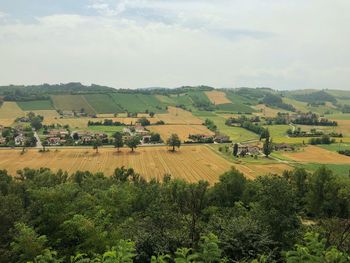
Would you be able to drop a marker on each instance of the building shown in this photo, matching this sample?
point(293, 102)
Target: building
point(248, 149)
point(20, 140)
point(284, 147)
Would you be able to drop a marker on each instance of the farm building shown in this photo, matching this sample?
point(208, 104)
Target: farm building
point(247, 149)
point(284, 147)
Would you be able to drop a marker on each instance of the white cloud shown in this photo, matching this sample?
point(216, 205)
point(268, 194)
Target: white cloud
point(281, 44)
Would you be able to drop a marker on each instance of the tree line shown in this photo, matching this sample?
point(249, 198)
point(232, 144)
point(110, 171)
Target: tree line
point(51, 216)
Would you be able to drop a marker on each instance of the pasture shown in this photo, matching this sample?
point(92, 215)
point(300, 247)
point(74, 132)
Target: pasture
point(182, 130)
point(138, 103)
point(192, 163)
point(103, 103)
point(217, 97)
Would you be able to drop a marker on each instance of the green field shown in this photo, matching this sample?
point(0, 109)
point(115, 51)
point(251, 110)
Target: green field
point(338, 169)
point(35, 105)
point(338, 116)
point(103, 103)
point(72, 103)
point(336, 147)
point(139, 102)
point(234, 108)
point(109, 130)
point(198, 97)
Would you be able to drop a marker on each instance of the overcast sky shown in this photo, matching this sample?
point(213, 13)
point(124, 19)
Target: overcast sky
point(282, 44)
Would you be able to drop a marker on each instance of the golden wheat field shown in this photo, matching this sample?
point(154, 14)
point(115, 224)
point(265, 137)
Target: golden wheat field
point(10, 110)
point(46, 113)
point(267, 111)
point(178, 116)
point(182, 130)
point(191, 163)
point(217, 97)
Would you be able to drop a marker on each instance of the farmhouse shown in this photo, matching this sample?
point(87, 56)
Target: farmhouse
point(2, 140)
point(68, 114)
point(284, 147)
point(54, 141)
point(20, 140)
point(58, 133)
point(221, 138)
point(247, 149)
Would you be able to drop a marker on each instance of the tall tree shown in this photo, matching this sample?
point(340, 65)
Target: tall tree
point(235, 149)
point(97, 143)
point(118, 140)
point(174, 141)
point(267, 146)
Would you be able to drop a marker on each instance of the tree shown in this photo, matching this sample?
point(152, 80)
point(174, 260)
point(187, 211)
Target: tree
point(174, 141)
point(97, 143)
point(27, 243)
point(44, 144)
point(36, 122)
point(144, 121)
point(132, 142)
point(118, 140)
point(235, 149)
point(267, 147)
point(151, 114)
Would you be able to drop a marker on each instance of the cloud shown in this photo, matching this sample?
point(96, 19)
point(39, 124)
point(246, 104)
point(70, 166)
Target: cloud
point(131, 44)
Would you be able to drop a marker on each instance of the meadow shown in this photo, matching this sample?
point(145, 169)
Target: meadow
point(72, 103)
point(103, 103)
point(35, 105)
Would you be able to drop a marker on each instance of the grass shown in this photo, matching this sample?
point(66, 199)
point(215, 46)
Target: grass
point(103, 103)
point(336, 146)
point(35, 105)
point(338, 116)
point(109, 130)
point(338, 169)
point(278, 131)
point(234, 108)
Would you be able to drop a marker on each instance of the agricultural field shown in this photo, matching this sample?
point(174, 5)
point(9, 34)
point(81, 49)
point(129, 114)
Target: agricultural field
point(72, 103)
point(35, 105)
point(103, 103)
point(266, 111)
point(217, 97)
point(50, 114)
point(109, 130)
point(192, 163)
point(9, 111)
point(182, 130)
point(178, 116)
point(138, 103)
point(315, 154)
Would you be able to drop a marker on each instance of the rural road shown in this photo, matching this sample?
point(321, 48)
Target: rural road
point(38, 142)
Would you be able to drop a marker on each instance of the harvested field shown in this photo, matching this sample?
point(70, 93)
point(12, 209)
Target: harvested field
point(343, 127)
point(182, 130)
point(267, 111)
point(72, 102)
point(191, 163)
point(251, 171)
point(9, 111)
point(46, 113)
point(314, 154)
point(217, 97)
point(178, 116)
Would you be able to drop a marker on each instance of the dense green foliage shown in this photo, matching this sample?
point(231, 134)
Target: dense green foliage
point(314, 97)
point(85, 217)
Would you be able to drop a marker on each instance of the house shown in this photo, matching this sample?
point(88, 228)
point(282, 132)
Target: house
point(247, 149)
point(68, 114)
point(54, 141)
point(58, 133)
point(146, 139)
point(221, 138)
point(284, 147)
point(140, 130)
point(20, 140)
point(2, 140)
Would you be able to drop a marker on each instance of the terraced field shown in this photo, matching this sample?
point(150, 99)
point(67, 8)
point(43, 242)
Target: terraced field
point(72, 103)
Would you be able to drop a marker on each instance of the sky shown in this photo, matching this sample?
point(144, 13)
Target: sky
point(280, 44)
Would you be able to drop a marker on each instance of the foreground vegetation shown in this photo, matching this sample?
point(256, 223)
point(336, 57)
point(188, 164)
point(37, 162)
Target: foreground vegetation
point(84, 217)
